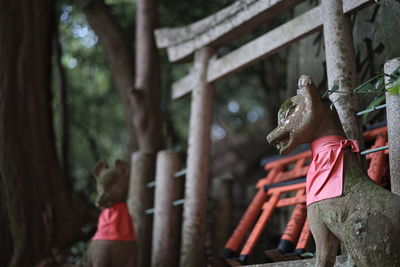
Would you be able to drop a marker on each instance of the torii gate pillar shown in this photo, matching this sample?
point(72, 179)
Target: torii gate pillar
point(198, 165)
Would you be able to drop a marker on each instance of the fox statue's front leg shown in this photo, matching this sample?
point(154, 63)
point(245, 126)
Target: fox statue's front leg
point(325, 241)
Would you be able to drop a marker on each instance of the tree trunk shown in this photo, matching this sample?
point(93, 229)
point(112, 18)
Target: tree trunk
point(61, 84)
point(118, 53)
point(146, 95)
point(341, 66)
point(141, 93)
point(37, 214)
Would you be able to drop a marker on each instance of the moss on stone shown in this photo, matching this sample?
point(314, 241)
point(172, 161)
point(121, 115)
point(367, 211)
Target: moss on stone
point(284, 108)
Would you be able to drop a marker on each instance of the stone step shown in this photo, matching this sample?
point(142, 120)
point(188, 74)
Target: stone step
point(341, 261)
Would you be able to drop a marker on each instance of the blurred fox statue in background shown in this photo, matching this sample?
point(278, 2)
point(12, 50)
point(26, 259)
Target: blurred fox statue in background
point(114, 244)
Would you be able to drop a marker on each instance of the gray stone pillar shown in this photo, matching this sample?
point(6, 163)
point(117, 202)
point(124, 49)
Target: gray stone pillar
point(167, 218)
point(393, 123)
point(198, 166)
point(341, 65)
point(140, 198)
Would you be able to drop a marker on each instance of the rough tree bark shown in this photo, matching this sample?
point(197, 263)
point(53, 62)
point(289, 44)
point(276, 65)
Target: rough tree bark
point(146, 93)
point(61, 84)
point(37, 212)
point(341, 66)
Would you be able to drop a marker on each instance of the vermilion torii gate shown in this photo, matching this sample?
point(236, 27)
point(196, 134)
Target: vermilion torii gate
point(199, 40)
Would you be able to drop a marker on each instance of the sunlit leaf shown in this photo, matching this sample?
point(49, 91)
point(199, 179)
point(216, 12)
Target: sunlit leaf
point(394, 90)
point(307, 255)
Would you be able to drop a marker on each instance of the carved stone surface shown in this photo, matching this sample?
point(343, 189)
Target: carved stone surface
point(393, 121)
point(112, 183)
point(341, 261)
point(112, 187)
point(366, 218)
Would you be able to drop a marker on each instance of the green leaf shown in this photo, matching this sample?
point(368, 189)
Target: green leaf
point(335, 87)
point(367, 83)
point(366, 88)
point(394, 90)
point(307, 255)
point(326, 94)
point(380, 83)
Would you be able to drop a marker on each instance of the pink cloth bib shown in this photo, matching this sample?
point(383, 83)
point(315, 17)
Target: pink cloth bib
point(325, 175)
point(115, 224)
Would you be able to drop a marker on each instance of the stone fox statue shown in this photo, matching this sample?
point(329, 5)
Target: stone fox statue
point(343, 203)
point(114, 243)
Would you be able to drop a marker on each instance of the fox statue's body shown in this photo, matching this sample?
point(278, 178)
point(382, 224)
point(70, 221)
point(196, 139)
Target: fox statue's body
point(114, 243)
point(366, 217)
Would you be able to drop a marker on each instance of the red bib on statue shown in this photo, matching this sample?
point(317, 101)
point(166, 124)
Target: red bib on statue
point(115, 224)
point(325, 175)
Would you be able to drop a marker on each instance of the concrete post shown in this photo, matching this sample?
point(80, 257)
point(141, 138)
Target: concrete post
point(140, 198)
point(198, 166)
point(341, 65)
point(393, 122)
point(167, 218)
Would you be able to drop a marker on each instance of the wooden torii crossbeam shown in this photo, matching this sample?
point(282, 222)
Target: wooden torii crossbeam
point(232, 22)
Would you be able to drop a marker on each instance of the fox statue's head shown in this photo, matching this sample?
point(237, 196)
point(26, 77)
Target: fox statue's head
point(112, 183)
point(300, 118)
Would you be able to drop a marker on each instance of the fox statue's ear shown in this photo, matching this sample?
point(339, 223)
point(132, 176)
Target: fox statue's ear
point(310, 92)
point(122, 166)
point(307, 88)
point(99, 167)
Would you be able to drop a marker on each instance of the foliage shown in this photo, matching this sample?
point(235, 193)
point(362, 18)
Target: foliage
point(96, 113)
point(376, 86)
